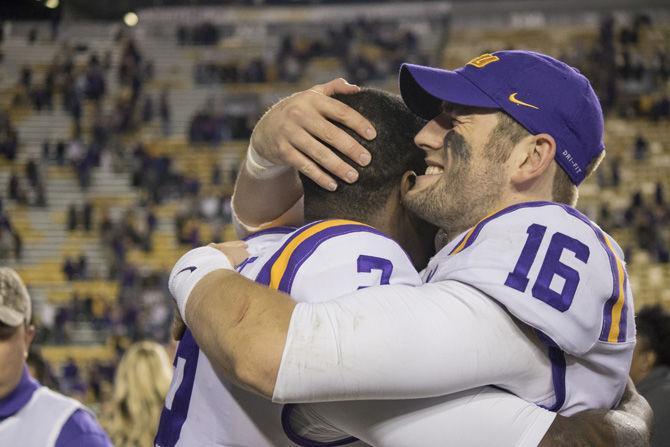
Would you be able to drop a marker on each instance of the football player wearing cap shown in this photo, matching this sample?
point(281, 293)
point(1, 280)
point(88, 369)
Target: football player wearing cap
point(511, 136)
point(32, 415)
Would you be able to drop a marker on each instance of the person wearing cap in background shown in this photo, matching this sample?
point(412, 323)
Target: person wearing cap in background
point(525, 292)
point(32, 415)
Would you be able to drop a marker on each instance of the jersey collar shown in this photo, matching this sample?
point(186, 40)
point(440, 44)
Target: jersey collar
point(15, 400)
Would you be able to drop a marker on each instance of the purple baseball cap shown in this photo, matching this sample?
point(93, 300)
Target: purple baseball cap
point(541, 93)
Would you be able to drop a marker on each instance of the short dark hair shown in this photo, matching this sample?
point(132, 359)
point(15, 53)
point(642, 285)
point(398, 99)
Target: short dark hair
point(653, 323)
point(393, 153)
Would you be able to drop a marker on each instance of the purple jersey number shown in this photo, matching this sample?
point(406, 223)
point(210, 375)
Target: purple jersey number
point(551, 266)
point(178, 398)
point(366, 264)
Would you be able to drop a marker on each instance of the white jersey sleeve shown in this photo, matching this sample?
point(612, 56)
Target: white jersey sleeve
point(473, 418)
point(423, 341)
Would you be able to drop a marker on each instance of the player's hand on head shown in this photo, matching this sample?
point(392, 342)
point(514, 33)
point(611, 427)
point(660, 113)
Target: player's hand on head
point(292, 131)
point(235, 251)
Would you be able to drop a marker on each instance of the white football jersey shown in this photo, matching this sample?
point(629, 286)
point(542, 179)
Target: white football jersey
point(558, 272)
point(316, 262)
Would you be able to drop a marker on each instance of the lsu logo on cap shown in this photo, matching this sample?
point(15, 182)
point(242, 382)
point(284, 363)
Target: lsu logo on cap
point(483, 60)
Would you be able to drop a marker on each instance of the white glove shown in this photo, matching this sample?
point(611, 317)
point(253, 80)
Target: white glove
point(190, 269)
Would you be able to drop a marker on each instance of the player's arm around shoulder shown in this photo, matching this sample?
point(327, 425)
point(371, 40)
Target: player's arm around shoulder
point(245, 338)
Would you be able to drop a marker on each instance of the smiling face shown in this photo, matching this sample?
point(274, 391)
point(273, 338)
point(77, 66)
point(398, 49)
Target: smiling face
point(467, 173)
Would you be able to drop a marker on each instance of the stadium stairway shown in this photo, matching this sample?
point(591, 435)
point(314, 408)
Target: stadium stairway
point(46, 240)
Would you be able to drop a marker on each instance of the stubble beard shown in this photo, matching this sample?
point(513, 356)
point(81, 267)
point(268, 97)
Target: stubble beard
point(457, 204)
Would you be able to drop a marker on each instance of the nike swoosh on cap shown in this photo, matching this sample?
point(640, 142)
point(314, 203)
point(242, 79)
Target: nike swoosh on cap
point(191, 269)
point(513, 99)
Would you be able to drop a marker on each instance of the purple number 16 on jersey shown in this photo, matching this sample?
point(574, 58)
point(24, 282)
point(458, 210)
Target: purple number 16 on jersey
point(551, 267)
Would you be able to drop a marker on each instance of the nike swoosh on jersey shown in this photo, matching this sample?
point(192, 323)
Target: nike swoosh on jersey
point(513, 99)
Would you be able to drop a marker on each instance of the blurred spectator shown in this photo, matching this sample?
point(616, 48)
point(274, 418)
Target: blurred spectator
point(165, 111)
point(18, 245)
point(75, 269)
point(105, 223)
point(16, 190)
point(659, 195)
point(56, 15)
point(32, 35)
point(11, 242)
point(60, 153)
point(660, 109)
point(32, 173)
point(148, 110)
point(72, 217)
point(253, 71)
point(82, 267)
point(69, 269)
point(73, 425)
point(210, 206)
point(75, 151)
point(152, 220)
point(5, 244)
point(72, 382)
point(648, 219)
point(95, 80)
point(26, 77)
point(75, 108)
point(213, 126)
point(641, 147)
point(200, 34)
point(9, 137)
point(206, 127)
point(216, 175)
point(650, 369)
point(49, 87)
point(140, 386)
point(87, 216)
point(46, 150)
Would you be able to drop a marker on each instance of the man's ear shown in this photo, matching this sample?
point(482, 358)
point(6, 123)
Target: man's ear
point(534, 156)
point(650, 359)
point(407, 182)
point(28, 335)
